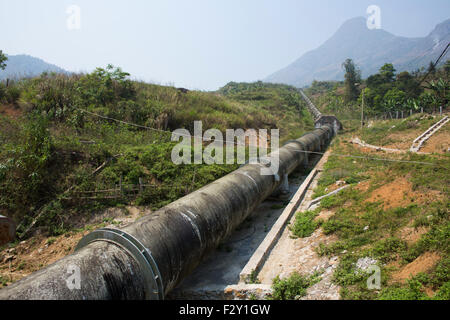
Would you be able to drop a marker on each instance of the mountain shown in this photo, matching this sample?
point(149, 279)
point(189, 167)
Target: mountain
point(19, 66)
point(369, 49)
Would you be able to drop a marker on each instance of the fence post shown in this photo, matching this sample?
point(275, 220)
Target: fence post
point(410, 112)
point(397, 114)
point(140, 185)
point(440, 110)
point(421, 110)
point(402, 114)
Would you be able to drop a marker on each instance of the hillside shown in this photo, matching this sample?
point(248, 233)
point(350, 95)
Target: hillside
point(56, 156)
point(369, 49)
point(19, 66)
point(394, 213)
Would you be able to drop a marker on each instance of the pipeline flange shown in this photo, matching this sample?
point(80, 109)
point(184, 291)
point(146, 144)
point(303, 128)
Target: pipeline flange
point(154, 285)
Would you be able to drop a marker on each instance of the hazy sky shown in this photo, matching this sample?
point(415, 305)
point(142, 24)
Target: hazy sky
point(198, 44)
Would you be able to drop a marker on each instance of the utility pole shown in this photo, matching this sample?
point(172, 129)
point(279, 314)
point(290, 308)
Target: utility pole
point(362, 111)
point(362, 105)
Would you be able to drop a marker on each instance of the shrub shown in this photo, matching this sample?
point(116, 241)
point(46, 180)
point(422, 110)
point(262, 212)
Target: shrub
point(413, 291)
point(293, 287)
point(24, 176)
point(444, 292)
point(12, 94)
point(304, 224)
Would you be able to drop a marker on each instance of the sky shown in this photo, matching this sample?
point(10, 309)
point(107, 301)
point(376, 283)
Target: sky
point(196, 44)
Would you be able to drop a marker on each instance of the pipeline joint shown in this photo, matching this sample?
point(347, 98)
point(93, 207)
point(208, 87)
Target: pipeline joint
point(154, 286)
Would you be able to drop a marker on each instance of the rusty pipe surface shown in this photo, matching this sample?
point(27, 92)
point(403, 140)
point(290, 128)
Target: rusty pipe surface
point(178, 236)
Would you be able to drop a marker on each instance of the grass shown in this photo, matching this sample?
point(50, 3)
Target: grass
point(369, 229)
point(380, 134)
point(53, 146)
point(3, 281)
point(51, 241)
point(253, 278)
point(305, 224)
point(294, 287)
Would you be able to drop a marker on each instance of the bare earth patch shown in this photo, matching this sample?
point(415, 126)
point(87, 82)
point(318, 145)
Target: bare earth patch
point(411, 235)
point(438, 143)
point(403, 140)
point(363, 186)
point(10, 111)
point(40, 251)
point(422, 264)
point(34, 254)
point(399, 193)
point(324, 215)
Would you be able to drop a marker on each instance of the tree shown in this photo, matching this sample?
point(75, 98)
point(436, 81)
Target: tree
point(408, 84)
point(3, 58)
point(447, 67)
point(394, 99)
point(428, 101)
point(441, 89)
point(388, 72)
point(431, 68)
point(352, 77)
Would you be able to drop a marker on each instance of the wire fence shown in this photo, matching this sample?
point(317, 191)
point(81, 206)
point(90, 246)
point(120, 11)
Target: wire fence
point(127, 191)
point(399, 114)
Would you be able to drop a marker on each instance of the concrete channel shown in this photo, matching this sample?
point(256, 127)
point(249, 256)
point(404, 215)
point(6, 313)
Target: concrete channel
point(221, 275)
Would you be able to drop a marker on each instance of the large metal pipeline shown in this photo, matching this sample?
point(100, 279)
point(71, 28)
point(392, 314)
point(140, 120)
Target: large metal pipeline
point(148, 258)
point(311, 107)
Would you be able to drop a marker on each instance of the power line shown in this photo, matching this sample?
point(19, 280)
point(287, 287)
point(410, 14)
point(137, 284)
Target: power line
point(423, 55)
point(436, 63)
point(236, 143)
point(160, 130)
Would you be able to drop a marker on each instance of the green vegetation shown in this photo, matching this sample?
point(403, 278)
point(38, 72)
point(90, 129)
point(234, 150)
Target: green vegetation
point(352, 80)
point(383, 92)
point(379, 134)
point(280, 104)
point(3, 281)
point(55, 156)
point(293, 287)
point(304, 224)
point(371, 227)
point(413, 291)
point(51, 241)
point(253, 279)
point(3, 60)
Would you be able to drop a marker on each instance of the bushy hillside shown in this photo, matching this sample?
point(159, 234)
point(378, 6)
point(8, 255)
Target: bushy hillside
point(54, 154)
point(395, 213)
point(385, 91)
